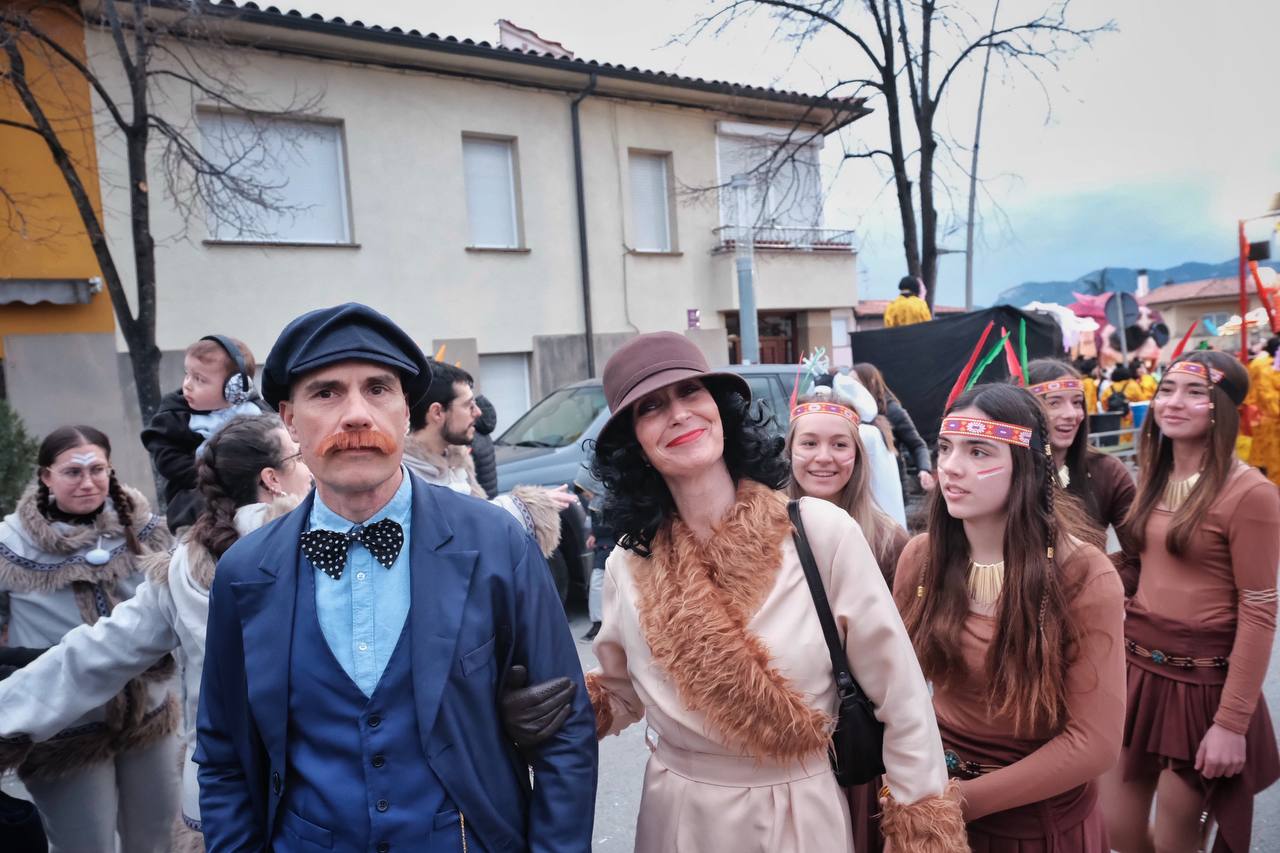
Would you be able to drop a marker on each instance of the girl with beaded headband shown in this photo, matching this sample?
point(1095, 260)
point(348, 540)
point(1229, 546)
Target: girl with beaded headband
point(70, 553)
point(874, 430)
point(1017, 621)
point(1100, 481)
point(1200, 624)
point(829, 461)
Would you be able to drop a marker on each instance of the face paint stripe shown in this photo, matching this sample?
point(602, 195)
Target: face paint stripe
point(990, 472)
point(84, 458)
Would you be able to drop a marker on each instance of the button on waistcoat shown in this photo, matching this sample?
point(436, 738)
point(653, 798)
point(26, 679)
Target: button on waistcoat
point(357, 773)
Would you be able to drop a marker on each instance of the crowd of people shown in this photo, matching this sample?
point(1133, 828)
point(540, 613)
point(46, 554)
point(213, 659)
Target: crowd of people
point(371, 653)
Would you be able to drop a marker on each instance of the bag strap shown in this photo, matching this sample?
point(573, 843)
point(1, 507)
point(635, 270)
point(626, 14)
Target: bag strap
point(845, 681)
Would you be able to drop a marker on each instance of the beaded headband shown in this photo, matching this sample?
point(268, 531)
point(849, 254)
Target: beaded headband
point(1195, 368)
point(825, 409)
point(1014, 434)
point(1044, 389)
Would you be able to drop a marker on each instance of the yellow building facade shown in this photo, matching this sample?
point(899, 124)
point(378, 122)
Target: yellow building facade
point(58, 350)
point(44, 251)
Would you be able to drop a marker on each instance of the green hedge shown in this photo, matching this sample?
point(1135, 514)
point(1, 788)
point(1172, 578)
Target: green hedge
point(17, 457)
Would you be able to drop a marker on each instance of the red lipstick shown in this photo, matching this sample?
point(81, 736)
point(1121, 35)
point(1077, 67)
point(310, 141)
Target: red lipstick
point(691, 435)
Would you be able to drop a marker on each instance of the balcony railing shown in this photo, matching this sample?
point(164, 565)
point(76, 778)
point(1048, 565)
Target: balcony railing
point(773, 238)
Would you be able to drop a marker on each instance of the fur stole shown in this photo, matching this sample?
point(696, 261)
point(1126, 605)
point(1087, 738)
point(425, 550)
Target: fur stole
point(60, 548)
point(695, 599)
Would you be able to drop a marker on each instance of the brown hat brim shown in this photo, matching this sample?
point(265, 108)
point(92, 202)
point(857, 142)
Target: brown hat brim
point(669, 377)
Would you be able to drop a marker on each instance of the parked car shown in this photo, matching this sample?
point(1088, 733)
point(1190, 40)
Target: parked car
point(549, 443)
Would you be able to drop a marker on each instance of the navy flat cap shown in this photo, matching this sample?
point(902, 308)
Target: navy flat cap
point(350, 332)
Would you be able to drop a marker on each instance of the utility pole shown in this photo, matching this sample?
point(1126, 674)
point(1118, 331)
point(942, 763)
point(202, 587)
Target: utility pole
point(973, 174)
point(748, 322)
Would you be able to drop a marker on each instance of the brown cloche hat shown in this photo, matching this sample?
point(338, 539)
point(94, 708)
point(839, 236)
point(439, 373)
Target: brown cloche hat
point(652, 361)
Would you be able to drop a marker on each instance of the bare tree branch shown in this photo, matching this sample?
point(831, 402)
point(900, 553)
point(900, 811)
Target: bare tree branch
point(909, 47)
point(167, 84)
point(24, 24)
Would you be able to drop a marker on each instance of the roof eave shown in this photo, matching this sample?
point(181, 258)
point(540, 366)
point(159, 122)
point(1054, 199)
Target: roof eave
point(292, 32)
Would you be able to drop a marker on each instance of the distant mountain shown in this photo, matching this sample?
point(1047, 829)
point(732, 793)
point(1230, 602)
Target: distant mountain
point(1118, 279)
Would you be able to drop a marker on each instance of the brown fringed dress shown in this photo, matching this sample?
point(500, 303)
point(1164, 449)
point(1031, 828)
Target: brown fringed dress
point(1218, 600)
point(717, 646)
point(1037, 794)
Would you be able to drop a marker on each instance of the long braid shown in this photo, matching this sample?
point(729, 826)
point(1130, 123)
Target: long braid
point(215, 529)
point(124, 511)
point(1051, 486)
point(44, 500)
point(229, 476)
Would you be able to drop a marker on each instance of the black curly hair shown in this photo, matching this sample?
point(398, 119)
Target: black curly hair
point(638, 501)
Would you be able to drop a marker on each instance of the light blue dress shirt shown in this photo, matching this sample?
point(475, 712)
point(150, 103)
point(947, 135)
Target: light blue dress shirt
point(363, 613)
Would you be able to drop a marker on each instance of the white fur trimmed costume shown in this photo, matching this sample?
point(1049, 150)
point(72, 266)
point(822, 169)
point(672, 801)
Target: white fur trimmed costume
point(122, 740)
point(169, 612)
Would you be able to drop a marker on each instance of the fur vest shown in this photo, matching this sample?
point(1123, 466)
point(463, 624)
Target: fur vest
point(52, 588)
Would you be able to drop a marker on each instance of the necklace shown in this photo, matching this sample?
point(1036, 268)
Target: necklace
point(1176, 492)
point(1064, 476)
point(986, 580)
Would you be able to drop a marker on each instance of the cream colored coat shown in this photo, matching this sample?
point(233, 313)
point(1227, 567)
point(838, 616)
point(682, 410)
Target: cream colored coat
point(701, 793)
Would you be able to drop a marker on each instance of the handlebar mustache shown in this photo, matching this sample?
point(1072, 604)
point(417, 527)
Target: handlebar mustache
point(357, 439)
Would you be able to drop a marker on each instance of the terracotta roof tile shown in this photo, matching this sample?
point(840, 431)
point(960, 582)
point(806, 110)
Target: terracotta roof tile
point(287, 17)
point(1207, 288)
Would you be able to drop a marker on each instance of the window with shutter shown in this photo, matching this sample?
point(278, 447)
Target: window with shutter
point(650, 202)
point(292, 177)
point(489, 173)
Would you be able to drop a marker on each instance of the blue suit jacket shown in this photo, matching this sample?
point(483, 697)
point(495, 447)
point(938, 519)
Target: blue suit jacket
point(483, 600)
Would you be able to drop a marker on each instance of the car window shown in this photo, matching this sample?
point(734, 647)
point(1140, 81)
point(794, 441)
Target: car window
point(769, 389)
point(558, 420)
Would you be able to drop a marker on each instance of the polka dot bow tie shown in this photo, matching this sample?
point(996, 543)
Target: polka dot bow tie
point(327, 549)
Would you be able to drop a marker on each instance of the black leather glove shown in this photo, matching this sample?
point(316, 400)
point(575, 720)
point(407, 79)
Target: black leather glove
point(15, 657)
point(534, 714)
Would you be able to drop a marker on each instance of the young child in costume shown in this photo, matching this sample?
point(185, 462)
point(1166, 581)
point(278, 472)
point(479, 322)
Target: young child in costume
point(217, 386)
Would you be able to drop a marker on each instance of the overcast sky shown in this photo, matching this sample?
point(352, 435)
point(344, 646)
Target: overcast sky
point(1161, 135)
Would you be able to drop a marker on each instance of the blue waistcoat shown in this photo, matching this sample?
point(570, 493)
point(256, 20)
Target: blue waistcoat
point(358, 779)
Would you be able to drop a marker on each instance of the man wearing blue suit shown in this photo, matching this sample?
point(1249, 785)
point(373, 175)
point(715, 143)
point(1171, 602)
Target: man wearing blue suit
point(356, 647)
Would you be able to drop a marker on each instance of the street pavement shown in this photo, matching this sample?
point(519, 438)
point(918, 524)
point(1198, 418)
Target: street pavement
point(622, 761)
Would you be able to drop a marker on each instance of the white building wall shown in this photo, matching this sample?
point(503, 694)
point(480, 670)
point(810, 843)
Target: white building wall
point(403, 148)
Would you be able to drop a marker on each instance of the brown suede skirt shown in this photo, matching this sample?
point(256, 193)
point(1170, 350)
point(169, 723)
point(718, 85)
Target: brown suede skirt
point(864, 812)
point(1169, 710)
point(1070, 822)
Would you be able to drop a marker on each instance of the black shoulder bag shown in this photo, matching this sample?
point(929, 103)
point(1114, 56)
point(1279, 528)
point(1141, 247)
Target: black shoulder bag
point(858, 741)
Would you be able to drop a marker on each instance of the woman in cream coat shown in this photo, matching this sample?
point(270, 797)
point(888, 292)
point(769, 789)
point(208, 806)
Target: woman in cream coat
point(710, 634)
point(249, 473)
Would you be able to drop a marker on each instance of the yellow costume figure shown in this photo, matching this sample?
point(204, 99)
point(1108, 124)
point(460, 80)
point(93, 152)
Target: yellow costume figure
point(1090, 395)
point(908, 308)
point(1264, 393)
point(1131, 388)
point(1148, 384)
